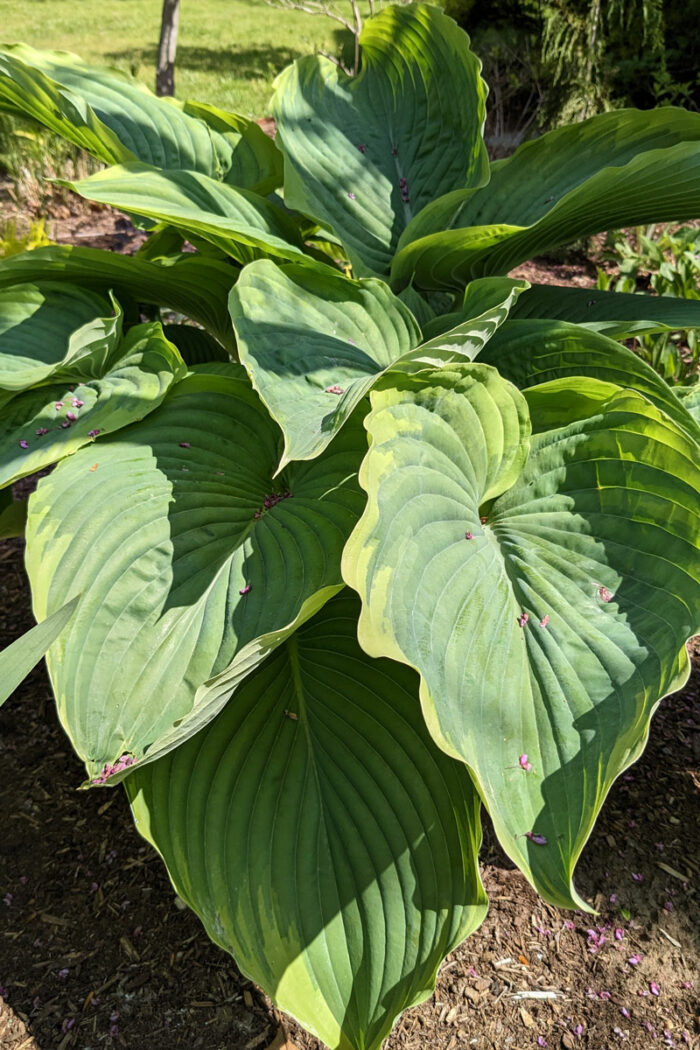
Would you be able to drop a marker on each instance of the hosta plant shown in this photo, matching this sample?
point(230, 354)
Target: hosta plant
point(350, 533)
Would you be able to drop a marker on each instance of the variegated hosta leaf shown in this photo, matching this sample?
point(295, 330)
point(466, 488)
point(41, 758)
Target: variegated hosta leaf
point(622, 168)
point(40, 426)
point(118, 119)
point(618, 315)
point(315, 343)
point(345, 866)
point(51, 331)
point(366, 153)
point(200, 553)
point(530, 352)
point(546, 608)
point(239, 222)
point(194, 285)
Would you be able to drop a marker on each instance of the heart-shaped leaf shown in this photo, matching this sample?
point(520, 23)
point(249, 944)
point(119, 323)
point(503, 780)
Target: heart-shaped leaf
point(41, 426)
point(545, 606)
point(314, 344)
point(366, 153)
point(347, 866)
point(200, 554)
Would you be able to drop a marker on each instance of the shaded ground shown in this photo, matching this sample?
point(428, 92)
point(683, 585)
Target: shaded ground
point(95, 952)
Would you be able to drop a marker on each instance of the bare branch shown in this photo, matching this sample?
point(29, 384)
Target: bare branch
point(310, 7)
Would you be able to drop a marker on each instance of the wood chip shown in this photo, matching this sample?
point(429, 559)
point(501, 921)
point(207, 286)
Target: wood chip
point(55, 920)
point(526, 1018)
point(668, 937)
point(247, 998)
point(672, 871)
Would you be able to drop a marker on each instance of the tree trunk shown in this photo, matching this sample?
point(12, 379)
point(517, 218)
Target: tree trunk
point(167, 45)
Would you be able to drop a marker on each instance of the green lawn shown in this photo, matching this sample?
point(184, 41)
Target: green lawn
point(229, 51)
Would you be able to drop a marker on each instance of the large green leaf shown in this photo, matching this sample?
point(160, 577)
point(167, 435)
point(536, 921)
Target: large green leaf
point(315, 343)
point(345, 866)
point(529, 352)
point(51, 331)
point(199, 554)
point(119, 120)
point(622, 168)
point(365, 154)
point(40, 426)
point(239, 222)
point(193, 285)
point(546, 606)
point(256, 163)
point(18, 659)
point(25, 90)
point(618, 314)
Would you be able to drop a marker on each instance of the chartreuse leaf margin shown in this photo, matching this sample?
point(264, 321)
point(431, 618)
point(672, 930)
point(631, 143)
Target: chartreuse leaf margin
point(543, 586)
point(347, 866)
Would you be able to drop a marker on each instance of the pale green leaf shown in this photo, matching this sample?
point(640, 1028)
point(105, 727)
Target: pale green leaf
point(623, 168)
point(40, 426)
point(346, 860)
point(535, 351)
point(547, 622)
point(414, 113)
point(239, 222)
point(191, 564)
point(192, 285)
point(314, 344)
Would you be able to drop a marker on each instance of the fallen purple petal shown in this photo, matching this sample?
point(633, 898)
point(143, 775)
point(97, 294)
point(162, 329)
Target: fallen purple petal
point(654, 988)
point(247, 589)
point(335, 389)
point(634, 960)
point(67, 1024)
point(524, 763)
point(468, 536)
point(41, 431)
point(539, 840)
point(93, 433)
point(619, 933)
point(24, 444)
point(541, 1041)
point(624, 1011)
point(544, 621)
point(72, 416)
point(185, 444)
point(522, 619)
point(351, 196)
point(637, 876)
point(605, 594)
point(63, 973)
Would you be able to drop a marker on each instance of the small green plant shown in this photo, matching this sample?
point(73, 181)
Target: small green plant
point(12, 241)
point(665, 261)
point(389, 536)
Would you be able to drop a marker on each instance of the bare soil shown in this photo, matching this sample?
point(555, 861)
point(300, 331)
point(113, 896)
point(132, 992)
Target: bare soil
point(96, 951)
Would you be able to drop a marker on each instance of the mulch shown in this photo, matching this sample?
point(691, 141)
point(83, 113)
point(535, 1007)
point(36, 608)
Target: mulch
point(97, 952)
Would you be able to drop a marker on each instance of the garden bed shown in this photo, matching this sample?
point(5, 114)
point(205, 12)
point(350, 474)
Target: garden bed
point(98, 952)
